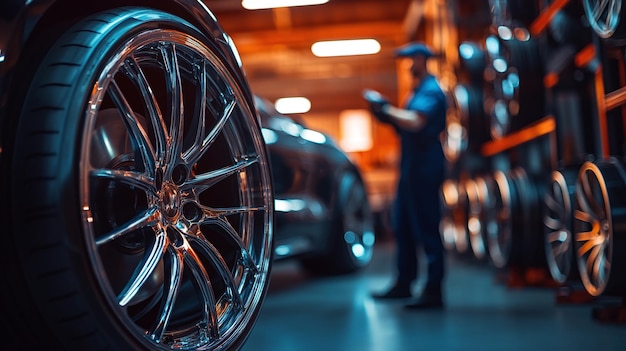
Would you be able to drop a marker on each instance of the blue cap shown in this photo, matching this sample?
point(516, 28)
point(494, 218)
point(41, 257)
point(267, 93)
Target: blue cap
point(414, 49)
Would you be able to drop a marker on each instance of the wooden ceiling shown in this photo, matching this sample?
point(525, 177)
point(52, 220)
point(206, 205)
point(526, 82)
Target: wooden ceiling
point(275, 48)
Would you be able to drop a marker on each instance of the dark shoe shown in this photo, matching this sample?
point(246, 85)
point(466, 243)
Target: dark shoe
point(396, 292)
point(425, 302)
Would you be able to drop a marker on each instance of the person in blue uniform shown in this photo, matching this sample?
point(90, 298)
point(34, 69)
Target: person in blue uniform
point(417, 210)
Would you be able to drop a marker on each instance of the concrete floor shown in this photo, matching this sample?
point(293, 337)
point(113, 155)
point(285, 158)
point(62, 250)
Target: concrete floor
point(302, 313)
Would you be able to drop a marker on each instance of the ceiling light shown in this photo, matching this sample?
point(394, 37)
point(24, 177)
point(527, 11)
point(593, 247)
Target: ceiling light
point(268, 4)
point(345, 47)
point(289, 105)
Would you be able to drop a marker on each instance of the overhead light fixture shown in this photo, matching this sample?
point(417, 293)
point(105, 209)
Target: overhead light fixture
point(345, 47)
point(268, 4)
point(296, 104)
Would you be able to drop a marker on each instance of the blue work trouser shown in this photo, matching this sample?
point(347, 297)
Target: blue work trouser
point(416, 216)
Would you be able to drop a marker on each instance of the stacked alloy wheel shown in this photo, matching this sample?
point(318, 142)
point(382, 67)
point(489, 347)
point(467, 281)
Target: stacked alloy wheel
point(513, 221)
point(480, 202)
point(513, 90)
point(558, 223)
point(600, 227)
point(505, 220)
point(605, 17)
point(449, 200)
point(454, 222)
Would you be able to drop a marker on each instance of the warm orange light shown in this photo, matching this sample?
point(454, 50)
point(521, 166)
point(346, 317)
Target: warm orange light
point(268, 4)
point(356, 130)
point(296, 104)
point(345, 47)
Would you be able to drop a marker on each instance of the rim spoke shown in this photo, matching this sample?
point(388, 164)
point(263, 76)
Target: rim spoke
point(171, 289)
point(585, 214)
point(138, 136)
point(148, 218)
point(600, 8)
point(585, 248)
point(198, 150)
point(224, 212)
point(133, 69)
point(552, 223)
point(554, 237)
point(206, 290)
point(175, 94)
point(553, 204)
point(590, 203)
point(247, 259)
point(145, 269)
point(130, 178)
point(204, 181)
point(200, 112)
point(212, 253)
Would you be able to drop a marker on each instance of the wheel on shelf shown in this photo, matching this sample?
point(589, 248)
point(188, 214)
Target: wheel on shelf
point(449, 200)
point(558, 224)
point(480, 200)
point(513, 89)
point(504, 220)
point(530, 189)
point(605, 18)
point(454, 222)
point(600, 227)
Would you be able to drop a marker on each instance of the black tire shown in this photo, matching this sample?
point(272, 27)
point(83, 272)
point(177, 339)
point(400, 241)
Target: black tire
point(566, 26)
point(514, 91)
point(472, 60)
point(139, 192)
point(351, 242)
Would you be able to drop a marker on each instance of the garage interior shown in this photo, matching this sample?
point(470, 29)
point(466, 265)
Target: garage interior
point(540, 140)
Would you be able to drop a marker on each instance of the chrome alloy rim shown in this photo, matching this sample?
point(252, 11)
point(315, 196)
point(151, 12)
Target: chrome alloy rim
point(603, 16)
point(594, 233)
point(449, 195)
point(500, 228)
point(175, 193)
point(479, 203)
point(358, 224)
point(557, 225)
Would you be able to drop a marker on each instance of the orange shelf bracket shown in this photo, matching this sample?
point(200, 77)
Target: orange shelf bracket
point(542, 127)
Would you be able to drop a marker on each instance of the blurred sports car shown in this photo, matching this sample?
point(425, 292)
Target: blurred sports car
point(322, 214)
point(136, 199)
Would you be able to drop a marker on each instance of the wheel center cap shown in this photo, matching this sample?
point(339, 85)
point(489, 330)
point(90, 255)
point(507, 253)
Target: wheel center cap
point(170, 200)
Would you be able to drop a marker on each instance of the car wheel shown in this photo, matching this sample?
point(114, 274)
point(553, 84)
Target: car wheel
point(513, 80)
point(599, 227)
point(558, 224)
point(352, 235)
point(478, 202)
point(604, 17)
point(449, 197)
point(504, 222)
point(140, 192)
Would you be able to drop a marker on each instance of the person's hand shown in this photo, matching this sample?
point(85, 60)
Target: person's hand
point(377, 101)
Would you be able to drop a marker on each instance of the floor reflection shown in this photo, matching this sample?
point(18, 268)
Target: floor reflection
point(304, 313)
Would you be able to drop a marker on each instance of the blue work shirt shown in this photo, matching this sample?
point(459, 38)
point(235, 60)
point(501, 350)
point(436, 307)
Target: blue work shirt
point(422, 153)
